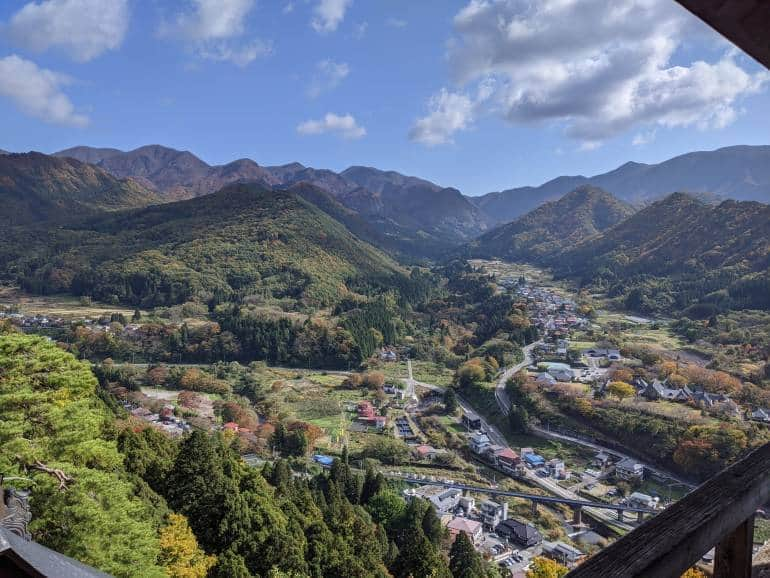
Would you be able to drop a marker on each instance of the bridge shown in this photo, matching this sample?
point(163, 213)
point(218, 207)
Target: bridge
point(576, 505)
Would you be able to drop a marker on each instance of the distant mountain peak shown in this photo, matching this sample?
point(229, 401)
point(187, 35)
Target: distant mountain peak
point(740, 172)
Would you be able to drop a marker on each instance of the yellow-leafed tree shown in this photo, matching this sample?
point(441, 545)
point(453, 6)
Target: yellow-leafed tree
point(180, 554)
point(546, 568)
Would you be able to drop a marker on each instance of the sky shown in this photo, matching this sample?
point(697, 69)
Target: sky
point(481, 95)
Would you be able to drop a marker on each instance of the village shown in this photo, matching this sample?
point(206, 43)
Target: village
point(442, 447)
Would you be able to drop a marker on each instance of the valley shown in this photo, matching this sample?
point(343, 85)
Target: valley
point(579, 369)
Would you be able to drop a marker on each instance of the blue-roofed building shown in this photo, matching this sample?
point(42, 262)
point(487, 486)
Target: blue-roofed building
point(323, 460)
point(534, 460)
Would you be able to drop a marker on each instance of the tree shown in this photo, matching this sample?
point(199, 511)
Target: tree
point(137, 316)
point(518, 419)
point(464, 560)
point(470, 373)
point(693, 573)
point(546, 568)
point(450, 400)
point(180, 554)
point(621, 389)
point(230, 565)
point(52, 415)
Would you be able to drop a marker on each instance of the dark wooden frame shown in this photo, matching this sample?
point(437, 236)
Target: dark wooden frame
point(718, 513)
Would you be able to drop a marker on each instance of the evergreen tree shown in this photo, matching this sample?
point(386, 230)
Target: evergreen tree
point(230, 565)
point(450, 400)
point(464, 560)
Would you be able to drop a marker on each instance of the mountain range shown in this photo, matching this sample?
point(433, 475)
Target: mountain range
point(738, 172)
point(415, 211)
point(306, 234)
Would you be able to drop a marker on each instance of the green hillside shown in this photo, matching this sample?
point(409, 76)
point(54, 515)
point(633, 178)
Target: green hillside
point(681, 253)
point(35, 187)
point(553, 227)
point(242, 240)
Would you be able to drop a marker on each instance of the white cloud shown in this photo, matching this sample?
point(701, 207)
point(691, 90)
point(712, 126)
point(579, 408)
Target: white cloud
point(327, 76)
point(328, 15)
point(37, 91)
point(288, 8)
point(83, 28)
point(344, 126)
point(449, 112)
point(396, 22)
point(215, 27)
point(597, 69)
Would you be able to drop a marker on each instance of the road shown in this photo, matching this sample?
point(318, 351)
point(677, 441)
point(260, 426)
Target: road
point(600, 448)
point(504, 404)
point(500, 394)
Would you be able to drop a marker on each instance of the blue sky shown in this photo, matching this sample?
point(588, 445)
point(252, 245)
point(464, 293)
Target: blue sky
point(478, 94)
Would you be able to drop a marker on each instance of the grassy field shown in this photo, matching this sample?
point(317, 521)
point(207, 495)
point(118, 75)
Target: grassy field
point(67, 306)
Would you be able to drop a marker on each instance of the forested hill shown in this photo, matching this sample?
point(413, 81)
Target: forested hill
point(35, 187)
point(678, 252)
point(554, 227)
point(242, 240)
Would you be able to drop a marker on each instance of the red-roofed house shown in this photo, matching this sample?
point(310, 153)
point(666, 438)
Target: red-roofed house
point(470, 528)
point(365, 409)
point(507, 460)
point(231, 426)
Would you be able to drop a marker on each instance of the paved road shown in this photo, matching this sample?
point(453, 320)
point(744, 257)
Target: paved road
point(600, 448)
point(504, 403)
point(500, 394)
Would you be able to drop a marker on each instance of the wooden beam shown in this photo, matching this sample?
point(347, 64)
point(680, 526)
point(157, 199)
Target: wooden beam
point(745, 23)
point(678, 537)
point(732, 558)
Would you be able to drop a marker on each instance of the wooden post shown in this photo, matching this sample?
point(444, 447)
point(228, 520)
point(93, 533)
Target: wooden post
point(534, 508)
point(732, 558)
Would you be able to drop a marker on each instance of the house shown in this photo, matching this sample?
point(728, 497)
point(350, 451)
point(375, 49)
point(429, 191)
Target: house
point(658, 390)
point(560, 371)
point(563, 553)
point(545, 379)
point(470, 528)
point(557, 468)
point(425, 452)
point(167, 412)
point(443, 499)
point(365, 409)
point(479, 442)
point(708, 400)
point(525, 535)
point(388, 355)
point(492, 513)
point(602, 459)
point(231, 426)
point(628, 469)
point(534, 460)
point(471, 420)
point(611, 354)
point(507, 460)
point(640, 500)
point(467, 503)
point(761, 414)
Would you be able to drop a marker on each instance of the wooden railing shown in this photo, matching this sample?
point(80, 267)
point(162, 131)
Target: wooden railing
point(718, 513)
